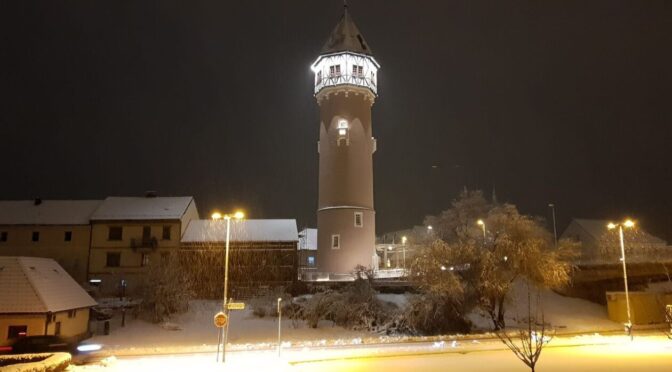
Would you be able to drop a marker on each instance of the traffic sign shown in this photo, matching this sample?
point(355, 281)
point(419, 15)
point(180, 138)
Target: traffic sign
point(235, 306)
point(221, 319)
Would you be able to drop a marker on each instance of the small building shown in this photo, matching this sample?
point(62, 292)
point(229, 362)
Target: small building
point(263, 254)
point(57, 229)
point(307, 249)
point(127, 233)
point(598, 243)
point(38, 297)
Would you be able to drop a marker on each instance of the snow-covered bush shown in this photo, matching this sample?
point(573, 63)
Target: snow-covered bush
point(429, 314)
point(354, 306)
point(267, 304)
point(167, 288)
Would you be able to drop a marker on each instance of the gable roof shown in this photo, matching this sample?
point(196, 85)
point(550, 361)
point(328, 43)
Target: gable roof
point(346, 37)
point(209, 231)
point(597, 229)
point(142, 208)
point(38, 285)
point(47, 212)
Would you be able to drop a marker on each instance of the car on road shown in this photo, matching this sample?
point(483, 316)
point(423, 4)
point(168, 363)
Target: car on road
point(81, 352)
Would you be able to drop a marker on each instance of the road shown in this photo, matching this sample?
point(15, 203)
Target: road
point(612, 354)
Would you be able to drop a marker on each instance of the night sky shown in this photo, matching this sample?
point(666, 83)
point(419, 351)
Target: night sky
point(548, 101)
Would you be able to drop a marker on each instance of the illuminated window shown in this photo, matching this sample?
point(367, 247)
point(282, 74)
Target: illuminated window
point(359, 219)
point(336, 241)
point(311, 260)
point(343, 132)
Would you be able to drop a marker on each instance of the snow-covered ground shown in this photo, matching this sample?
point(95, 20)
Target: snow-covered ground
point(194, 331)
point(564, 314)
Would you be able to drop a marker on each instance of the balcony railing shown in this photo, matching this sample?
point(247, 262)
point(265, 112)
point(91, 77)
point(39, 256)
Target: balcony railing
point(144, 244)
point(343, 79)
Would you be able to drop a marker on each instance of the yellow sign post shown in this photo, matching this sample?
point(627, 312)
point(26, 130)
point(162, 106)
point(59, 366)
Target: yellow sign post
point(221, 320)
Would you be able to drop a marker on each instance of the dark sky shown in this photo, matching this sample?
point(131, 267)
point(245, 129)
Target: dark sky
point(550, 101)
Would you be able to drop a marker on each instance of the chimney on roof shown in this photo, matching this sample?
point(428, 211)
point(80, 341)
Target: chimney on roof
point(150, 194)
point(37, 201)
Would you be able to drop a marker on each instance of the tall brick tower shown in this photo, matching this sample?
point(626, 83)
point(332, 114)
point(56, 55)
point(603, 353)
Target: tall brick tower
point(345, 90)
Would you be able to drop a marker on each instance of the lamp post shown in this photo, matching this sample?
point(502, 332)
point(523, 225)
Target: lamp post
point(555, 230)
point(403, 244)
point(611, 226)
point(217, 217)
point(279, 328)
point(481, 223)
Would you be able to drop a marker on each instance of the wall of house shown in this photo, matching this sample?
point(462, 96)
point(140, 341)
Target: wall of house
point(34, 322)
point(71, 255)
point(71, 327)
point(131, 261)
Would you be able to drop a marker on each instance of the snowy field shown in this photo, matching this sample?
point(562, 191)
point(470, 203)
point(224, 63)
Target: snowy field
point(194, 331)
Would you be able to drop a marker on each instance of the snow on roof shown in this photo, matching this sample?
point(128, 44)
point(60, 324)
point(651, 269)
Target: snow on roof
point(142, 208)
point(38, 285)
point(201, 231)
point(346, 37)
point(308, 239)
point(47, 212)
point(598, 228)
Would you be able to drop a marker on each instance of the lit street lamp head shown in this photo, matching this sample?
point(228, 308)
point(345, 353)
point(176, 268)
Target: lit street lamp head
point(629, 223)
point(216, 216)
point(480, 223)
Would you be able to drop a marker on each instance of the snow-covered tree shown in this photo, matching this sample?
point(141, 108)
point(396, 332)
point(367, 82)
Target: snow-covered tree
point(167, 288)
point(478, 264)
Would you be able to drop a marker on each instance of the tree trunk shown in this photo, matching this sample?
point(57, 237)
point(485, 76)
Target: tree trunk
point(500, 312)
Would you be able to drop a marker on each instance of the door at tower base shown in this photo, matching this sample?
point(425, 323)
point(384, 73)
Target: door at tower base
point(341, 244)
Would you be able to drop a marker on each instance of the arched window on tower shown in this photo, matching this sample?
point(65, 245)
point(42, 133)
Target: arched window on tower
point(343, 133)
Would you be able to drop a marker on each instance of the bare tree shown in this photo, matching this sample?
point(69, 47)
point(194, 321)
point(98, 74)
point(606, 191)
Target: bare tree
point(528, 343)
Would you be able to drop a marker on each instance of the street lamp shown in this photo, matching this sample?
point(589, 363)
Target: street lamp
point(555, 230)
point(238, 215)
point(403, 244)
point(481, 223)
point(611, 226)
point(279, 328)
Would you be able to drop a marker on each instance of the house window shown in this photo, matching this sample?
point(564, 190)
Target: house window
point(334, 70)
point(166, 233)
point(16, 331)
point(57, 329)
point(36, 236)
point(113, 259)
point(336, 241)
point(357, 71)
point(311, 261)
point(319, 77)
point(359, 219)
point(3, 236)
point(114, 233)
point(68, 236)
point(144, 261)
point(373, 78)
point(146, 232)
point(72, 313)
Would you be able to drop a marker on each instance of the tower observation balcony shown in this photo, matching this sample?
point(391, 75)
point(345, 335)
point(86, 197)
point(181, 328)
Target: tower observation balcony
point(346, 68)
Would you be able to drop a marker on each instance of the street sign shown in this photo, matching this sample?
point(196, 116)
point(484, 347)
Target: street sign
point(221, 319)
point(235, 306)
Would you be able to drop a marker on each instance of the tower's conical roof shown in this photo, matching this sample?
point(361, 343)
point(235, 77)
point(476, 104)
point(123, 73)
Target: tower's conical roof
point(346, 37)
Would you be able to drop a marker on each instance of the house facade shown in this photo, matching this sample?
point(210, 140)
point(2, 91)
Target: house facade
point(57, 229)
point(128, 233)
point(38, 297)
